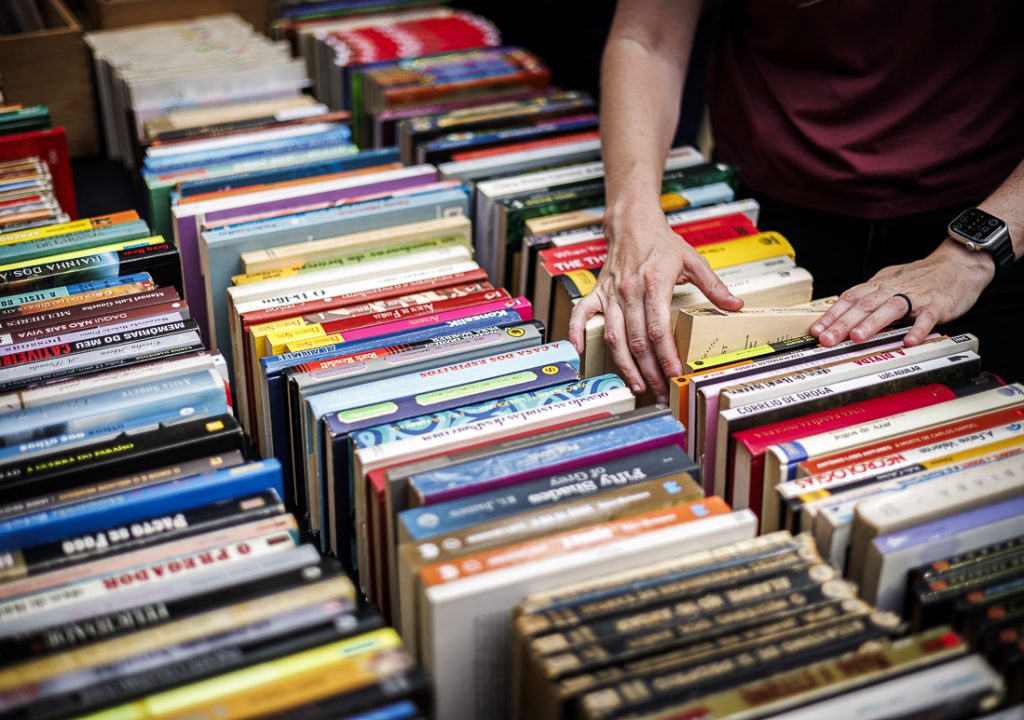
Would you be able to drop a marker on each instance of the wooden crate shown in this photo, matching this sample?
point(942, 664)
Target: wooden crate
point(52, 67)
point(107, 14)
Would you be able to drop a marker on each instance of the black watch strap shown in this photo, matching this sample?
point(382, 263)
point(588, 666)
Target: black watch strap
point(1003, 255)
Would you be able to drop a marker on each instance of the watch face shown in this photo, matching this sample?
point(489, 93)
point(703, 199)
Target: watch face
point(977, 225)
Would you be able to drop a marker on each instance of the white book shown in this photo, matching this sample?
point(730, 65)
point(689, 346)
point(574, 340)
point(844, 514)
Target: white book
point(872, 385)
point(781, 460)
point(705, 391)
point(466, 622)
point(832, 521)
point(79, 387)
point(891, 557)
point(872, 361)
point(515, 161)
point(788, 286)
point(916, 695)
point(749, 207)
point(287, 255)
point(943, 496)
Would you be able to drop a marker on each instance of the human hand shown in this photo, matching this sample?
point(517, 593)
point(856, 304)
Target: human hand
point(941, 287)
point(634, 292)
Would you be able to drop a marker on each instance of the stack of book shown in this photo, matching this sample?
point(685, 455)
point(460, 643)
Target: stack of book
point(148, 568)
point(339, 49)
point(144, 72)
point(761, 628)
point(36, 187)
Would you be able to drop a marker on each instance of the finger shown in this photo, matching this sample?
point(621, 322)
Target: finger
point(923, 325)
point(587, 308)
point(700, 274)
point(891, 310)
point(858, 311)
point(658, 308)
point(639, 346)
point(844, 303)
point(615, 340)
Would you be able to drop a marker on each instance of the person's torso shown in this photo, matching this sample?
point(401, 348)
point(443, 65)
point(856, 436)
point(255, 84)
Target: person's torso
point(874, 109)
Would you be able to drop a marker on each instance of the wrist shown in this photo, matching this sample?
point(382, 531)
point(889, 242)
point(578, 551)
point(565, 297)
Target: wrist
point(979, 264)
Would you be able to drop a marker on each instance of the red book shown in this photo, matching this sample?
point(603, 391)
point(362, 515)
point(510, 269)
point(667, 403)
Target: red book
point(50, 146)
point(323, 305)
point(579, 256)
point(751, 444)
point(344, 325)
point(531, 145)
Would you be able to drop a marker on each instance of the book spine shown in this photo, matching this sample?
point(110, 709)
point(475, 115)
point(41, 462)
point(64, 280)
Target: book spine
point(157, 296)
point(466, 478)
point(11, 304)
point(162, 343)
point(166, 528)
point(90, 327)
point(455, 515)
point(166, 473)
point(67, 636)
point(521, 306)
point(47, 526)
point(167, 571)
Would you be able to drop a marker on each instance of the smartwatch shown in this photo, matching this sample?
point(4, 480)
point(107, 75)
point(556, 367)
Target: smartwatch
point(979, 231)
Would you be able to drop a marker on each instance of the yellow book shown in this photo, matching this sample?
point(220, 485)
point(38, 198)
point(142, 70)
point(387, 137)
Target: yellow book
point(276, 342)
point(354, 258)
point(248, 348)
point(74, 255)
point(173, 633)
point(314, 342)
point(68, 228)
point(301, 253)
point(272, 686)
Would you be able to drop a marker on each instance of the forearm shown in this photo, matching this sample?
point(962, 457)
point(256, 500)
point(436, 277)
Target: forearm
point(642, 74)
point(1007, 204)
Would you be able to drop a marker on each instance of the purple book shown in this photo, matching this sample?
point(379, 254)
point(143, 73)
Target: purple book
point(188, 219)
point(487, 473)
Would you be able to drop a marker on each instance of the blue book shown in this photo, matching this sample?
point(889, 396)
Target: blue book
point(355, 161)
point(54, 293)
point(398, 711)
point(338, 501)
point(445, 517)
point(18, 252)
point(274, 370)
point(175, 496)
point(494, 471)
point(193, 395)
point(174, 163)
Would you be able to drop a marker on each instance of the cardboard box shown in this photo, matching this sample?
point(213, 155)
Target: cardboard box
point(52, 67)
point(109, 14)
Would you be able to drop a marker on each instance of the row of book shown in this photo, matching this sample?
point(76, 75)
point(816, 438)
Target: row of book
point(393, 320)
point(148, 565)
point(144, 72)
point(764, 628)
point(36, 187)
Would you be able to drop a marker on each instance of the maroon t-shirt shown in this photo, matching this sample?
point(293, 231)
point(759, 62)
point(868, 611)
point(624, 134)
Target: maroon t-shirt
point(873, 109)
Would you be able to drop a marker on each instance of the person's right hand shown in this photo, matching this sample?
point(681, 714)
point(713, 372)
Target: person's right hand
point(646, 260)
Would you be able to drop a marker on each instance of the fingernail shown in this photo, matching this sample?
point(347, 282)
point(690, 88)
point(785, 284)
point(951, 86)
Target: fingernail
point(637, 389)
point(817, 328)
point(828, 337)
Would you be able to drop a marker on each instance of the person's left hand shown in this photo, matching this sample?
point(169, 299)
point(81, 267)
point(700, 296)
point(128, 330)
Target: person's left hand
point(941, 287)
